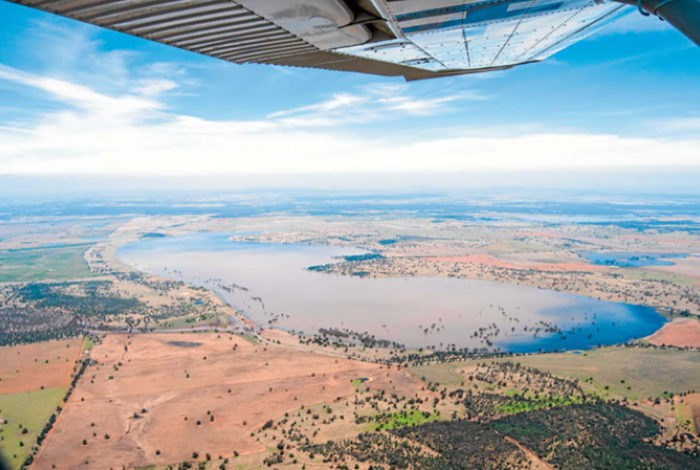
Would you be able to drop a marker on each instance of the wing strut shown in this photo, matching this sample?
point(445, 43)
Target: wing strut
point(684, 15)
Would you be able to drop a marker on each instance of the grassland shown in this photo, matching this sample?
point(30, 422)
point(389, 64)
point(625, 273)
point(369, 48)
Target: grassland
point(632, 373)
point(444, 374)
point(685, 417)
point(650, 275)
point(25, 411)
point(190, 321)
point(251, 339)
point(37, 264)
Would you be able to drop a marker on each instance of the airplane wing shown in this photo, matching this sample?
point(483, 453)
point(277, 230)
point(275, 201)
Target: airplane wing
point(415, 39)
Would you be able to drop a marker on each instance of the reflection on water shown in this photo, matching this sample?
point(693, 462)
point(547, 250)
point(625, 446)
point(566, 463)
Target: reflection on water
point(269, 284)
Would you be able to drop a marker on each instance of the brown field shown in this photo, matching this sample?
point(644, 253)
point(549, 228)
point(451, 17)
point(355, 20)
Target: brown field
point(31, 366)
point(242, 388)
point(692, 405)
point(286, 339)
point(681, 333)
point(490, 261)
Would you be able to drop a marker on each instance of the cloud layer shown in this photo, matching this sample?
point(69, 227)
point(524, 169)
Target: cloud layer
point(131, 130)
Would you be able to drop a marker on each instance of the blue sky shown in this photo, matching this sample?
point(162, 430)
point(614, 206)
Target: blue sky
point(76, 99)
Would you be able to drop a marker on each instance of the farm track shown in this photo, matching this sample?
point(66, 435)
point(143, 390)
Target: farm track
point(542, 464)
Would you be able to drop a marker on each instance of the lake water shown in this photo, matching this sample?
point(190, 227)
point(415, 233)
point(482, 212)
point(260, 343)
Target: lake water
point(632, 260)
point(417, 312)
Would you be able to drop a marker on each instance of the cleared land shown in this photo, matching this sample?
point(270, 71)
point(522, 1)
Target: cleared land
point(681, 333)
point(156, 399)
point(32, 366)
point(33, 380)
point(36, 264)
point(689, 412)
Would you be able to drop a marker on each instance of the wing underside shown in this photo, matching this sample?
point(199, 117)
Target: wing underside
point(415, 39)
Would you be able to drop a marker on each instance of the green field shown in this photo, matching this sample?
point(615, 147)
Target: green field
point(32, 411)
point(685, 420)
point(190, 321)
point(251, 339)
point(36, 264)
point(650, 275)
point(647, 372)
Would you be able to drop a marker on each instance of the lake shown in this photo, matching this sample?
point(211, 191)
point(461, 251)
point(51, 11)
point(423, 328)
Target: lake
point(269, 283)
point(632, 260)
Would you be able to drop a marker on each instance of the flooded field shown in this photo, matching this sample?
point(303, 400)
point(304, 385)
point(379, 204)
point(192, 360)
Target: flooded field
point(270, 284)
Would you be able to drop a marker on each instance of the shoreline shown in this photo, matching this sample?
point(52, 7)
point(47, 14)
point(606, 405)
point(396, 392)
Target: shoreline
point(260, 327)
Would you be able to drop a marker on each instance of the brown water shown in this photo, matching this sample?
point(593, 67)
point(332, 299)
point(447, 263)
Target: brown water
point(277, 290)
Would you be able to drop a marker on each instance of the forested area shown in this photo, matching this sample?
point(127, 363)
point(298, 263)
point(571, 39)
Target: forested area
point(594, 436)
point(92, 298)
point(53, 311)
point(590, 436)
point(31, 326)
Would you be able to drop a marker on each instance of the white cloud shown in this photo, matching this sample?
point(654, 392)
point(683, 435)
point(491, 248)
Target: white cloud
point(94, 103)
point(339, 101)
point(132, 134)
point(377, 102)
point(682, 125)
point(416, 106)
point(154, 87)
